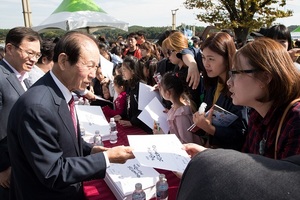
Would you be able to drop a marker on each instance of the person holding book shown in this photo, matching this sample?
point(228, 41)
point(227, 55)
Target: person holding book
point(217, 52)
point(264, 78)
point(120, 101)
point(131, 75)
point(100, 86)
point(49, 158)
point(180, 117)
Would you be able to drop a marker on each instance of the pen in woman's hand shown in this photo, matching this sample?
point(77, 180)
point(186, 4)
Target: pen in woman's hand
point(202, 108)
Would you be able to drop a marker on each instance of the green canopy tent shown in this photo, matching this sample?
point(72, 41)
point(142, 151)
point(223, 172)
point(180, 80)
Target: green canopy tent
point(296, 33)
point(296, 30)
point(82, 15)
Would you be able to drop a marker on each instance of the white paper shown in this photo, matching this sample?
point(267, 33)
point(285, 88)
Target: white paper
point(154, 112)
point(97, 97)
point(123, 177)
point(159, 151)
point(91, 118)
point(146, 94)
point(106, 67)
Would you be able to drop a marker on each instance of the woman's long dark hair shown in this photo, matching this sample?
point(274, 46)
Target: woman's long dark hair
point(223, 44)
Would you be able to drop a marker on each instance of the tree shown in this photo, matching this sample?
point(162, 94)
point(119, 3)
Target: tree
point(240, 15)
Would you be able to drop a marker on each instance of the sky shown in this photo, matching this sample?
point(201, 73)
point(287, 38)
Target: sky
point(135, 12)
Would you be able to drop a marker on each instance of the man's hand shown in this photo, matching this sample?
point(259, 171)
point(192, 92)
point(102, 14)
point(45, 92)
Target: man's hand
point(5, 178)
point(193, 149)
point(97, 149)
point(119, 154)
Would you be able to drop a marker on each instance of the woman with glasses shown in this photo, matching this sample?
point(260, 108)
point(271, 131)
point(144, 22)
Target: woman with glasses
point(217, 53)
point(264, 78)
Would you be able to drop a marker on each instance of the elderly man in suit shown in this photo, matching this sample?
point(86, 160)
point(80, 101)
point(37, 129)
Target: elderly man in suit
point(22, 50)
point(49, 158)
point(228, 174)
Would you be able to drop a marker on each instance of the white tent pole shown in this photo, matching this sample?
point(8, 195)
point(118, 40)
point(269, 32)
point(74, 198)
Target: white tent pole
point(26, 13)
point(29, 14)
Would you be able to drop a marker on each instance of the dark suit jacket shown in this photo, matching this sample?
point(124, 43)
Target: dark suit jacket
point(10, 91)
point(47, 158)
point(226, 174)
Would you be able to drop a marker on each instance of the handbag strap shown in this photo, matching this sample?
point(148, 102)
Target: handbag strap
point(281, 122)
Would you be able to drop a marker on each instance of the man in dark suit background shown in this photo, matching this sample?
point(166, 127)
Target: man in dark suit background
point(49, 158)
point(22, 50)
point(227, 174)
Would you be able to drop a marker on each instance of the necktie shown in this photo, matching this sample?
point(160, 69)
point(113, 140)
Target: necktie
point(26, 82)
point(72, 111)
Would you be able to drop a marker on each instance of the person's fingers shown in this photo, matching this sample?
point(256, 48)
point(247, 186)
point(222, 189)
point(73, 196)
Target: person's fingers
point(210, 114)
point(104, 148)
point(189, 80)
point(188, 146)
point(196, 82)
point(5, 184)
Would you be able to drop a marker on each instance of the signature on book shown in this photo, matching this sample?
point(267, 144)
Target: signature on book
point(153, 154)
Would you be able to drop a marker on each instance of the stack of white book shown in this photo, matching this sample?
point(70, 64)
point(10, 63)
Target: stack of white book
point(92, 118)
point(121, 179)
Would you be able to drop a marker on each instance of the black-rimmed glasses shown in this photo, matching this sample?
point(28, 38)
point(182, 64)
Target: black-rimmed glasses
point(30, 53)
point(232, 73)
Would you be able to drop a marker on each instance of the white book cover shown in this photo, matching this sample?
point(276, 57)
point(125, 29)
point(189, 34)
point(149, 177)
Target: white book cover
point(91, 118)
point(106, 67)
point(146, 94)
point(121, 179)
point(154, 112)
point(163, 151)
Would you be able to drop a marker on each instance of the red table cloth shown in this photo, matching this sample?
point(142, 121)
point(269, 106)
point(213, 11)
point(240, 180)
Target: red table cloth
point(98, 190)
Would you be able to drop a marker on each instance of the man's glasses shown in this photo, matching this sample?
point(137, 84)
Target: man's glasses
point(169, 52)
point(232, 73)
point(30, 54)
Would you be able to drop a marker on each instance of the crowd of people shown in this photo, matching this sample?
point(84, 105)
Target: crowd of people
point(42, 156)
